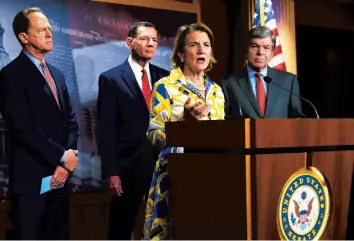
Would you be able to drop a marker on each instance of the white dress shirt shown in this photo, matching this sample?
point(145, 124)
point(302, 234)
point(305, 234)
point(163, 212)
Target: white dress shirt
point(137, 71)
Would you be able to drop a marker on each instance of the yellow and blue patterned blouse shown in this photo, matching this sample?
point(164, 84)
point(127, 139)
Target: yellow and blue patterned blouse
point(167, 104)
point(168, 98)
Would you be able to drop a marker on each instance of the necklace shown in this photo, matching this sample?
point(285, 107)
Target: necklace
point(202, 89)
point(194, 80)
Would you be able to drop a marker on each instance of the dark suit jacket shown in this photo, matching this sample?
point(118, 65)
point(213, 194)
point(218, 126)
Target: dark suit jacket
point(240, 101)
point(40, 131)
point(123, 119)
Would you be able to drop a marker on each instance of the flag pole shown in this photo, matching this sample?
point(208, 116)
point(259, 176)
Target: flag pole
point(261, 11)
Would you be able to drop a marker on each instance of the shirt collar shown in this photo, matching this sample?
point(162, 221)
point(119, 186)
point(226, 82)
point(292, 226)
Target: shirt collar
point(135, 66)
point(177, 75)
point(252, 73)
point(33, 59)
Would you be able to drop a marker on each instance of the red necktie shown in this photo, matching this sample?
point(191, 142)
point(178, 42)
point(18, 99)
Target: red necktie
point(48, 77)
point(146, 88)
point(261, 95)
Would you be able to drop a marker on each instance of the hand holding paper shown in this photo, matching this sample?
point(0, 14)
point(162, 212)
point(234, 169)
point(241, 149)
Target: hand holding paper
point(45, 187)
point(59, 177)
point(55, 181)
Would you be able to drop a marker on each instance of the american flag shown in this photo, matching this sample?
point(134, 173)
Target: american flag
point(264, 16)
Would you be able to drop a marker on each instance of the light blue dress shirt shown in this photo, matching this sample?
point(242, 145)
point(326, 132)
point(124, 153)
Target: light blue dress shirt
point(36, 62)
point(253, 79)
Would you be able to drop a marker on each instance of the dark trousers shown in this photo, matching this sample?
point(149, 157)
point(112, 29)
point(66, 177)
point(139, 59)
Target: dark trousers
point(41, 216)
point(124, 210)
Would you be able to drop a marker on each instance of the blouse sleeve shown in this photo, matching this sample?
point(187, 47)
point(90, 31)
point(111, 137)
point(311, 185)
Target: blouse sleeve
point(160, 113)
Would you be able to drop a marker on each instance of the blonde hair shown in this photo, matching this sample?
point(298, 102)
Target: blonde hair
point(180, 43)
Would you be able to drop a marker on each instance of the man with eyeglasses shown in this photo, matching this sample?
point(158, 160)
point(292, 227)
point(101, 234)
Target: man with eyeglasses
point(259, 92)
point(123, 106)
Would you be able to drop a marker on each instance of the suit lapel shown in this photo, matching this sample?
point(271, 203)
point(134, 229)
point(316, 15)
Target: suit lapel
point(35, 71)
point(129, 78)
point(245, 86)
point(271, 91)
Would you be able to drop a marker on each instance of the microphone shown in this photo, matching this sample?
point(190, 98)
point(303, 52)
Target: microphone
point(269, 80)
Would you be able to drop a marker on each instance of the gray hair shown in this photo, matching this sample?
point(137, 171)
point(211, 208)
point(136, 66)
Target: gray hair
point(261, 32)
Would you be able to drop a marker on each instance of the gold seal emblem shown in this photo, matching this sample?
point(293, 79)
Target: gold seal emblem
point(304, 206)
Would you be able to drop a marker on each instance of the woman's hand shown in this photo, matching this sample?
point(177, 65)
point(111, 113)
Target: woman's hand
point(195, 111)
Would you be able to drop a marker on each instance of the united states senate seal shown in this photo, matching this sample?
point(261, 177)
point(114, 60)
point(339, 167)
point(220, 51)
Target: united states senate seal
point(304, 206)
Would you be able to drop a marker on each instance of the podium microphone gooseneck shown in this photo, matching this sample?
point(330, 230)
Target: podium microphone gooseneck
point(269, 80)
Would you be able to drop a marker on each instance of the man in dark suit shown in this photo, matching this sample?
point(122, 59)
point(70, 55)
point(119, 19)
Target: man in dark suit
point(35, 104)
point(123, 118)
point(248, 95)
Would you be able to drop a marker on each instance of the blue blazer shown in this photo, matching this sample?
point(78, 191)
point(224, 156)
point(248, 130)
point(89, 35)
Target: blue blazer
point(123, 119)
point(39, 130)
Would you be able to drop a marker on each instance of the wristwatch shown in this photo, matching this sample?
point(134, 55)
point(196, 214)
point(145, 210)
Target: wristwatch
point(70, 172)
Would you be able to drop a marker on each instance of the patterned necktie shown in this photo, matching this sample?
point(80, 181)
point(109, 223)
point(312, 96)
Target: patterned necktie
point(50, 81)
point(261, 95)
point(146, 88)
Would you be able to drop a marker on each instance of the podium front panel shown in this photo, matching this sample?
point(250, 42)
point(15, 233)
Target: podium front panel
point(208, 196)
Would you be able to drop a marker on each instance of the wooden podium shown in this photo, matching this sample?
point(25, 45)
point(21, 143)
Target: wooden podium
point(227, 183)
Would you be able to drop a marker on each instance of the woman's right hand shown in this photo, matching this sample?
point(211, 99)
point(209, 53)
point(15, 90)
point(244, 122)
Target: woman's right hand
point(195, 111)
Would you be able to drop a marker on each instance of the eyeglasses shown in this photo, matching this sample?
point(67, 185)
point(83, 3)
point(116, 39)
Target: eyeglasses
point(147, 39)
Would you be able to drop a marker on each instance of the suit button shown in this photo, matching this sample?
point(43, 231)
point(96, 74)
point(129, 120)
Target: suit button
point(64, 126)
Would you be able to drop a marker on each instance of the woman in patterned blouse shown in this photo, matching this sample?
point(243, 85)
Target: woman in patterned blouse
point(186, 94)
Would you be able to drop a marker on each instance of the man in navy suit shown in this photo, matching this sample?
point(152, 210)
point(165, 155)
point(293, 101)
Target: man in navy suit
point(35, 104)
point(248, 95)
point(127, 156)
